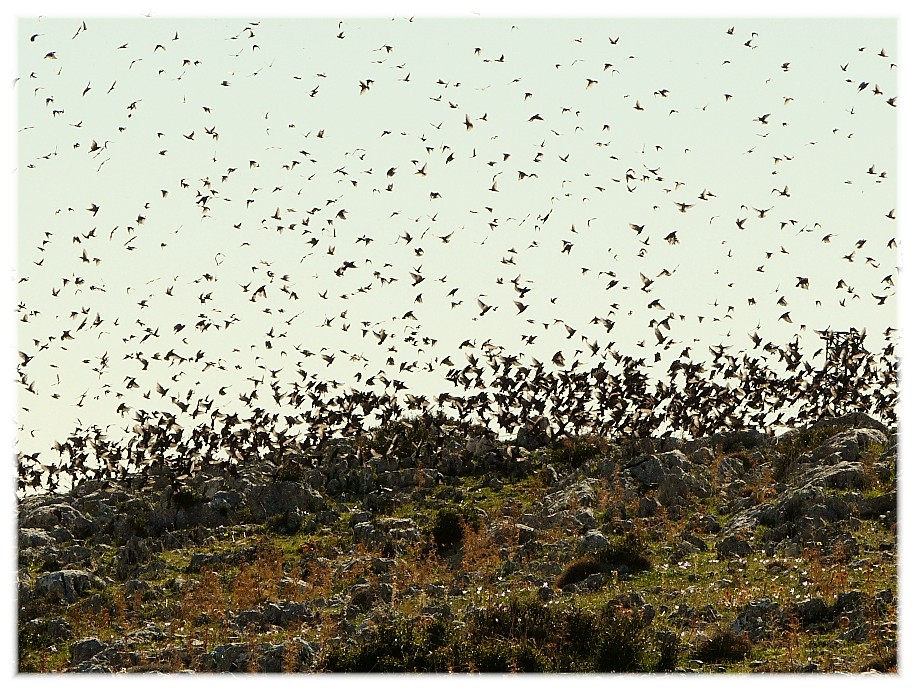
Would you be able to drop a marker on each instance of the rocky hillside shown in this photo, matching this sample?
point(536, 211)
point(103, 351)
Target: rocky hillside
point(432, 548)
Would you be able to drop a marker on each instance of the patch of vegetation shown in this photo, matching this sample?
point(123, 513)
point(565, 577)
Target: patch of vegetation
point(186, 496)
point(287, 523)
point(501, 656)
point(630, 551)
point(794, 444)
point(568, 638)
point(886, 662)
point(516, 634)
point(668, 648)
point(578, 571)
point(395, 646)
point(472, 559)
point(575, 451)
point(447, 530)
point(724, 645)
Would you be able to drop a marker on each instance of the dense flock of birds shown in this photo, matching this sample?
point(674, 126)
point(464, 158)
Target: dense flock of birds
point(291, 323)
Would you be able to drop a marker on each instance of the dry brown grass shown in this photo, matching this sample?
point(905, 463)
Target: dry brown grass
point(827, 575)
point(480, 550)
point(419, 566)
point(258, 582)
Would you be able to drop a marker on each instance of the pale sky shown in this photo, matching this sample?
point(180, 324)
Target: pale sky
point(740, 155)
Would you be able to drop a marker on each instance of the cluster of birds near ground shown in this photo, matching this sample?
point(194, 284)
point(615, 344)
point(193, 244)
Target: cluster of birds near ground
point(199, 383)
point(506, 397)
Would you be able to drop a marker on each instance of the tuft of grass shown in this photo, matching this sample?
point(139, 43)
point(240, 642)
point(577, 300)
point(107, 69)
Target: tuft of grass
point(668, 645)
point(724, 646)
point(578, 571)
point(886, 662)
point(623, 643)
point(575, 451)
point(630, 551)
point(790, 447)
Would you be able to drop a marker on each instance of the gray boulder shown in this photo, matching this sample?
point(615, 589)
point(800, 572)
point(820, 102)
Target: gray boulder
point(579, 495)
point(57, 516)
point(277, 498)
point(70, 585)
point(30, 537)
point(759, 619)
point(525, 534)
point(674, 477)
point(227, 658)
point(857, 420)
point(845, 446)
point(592, 542)
point(733, 546)
point(85, 649)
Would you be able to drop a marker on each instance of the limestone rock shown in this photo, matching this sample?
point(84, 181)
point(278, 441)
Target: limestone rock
point(69, 585)
point(85, 649)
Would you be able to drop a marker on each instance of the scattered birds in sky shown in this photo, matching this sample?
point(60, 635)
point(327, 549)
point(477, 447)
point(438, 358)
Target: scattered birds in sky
point(283, 236)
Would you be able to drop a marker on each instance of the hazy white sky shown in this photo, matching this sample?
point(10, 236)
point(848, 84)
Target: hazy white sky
point(237, 153)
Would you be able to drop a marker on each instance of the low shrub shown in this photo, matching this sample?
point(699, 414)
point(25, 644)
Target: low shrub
point(395, 646)
point(447, 530)
point(578, 571)
point(563, 638)
point(724, 645)
point(628, 551)
point(574, 452)
point(668, 645)
point(623, 642)
point(503, 656)
point(791, 446)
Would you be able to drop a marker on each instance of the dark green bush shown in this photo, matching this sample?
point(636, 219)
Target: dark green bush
point(623, 641)
point(564, 638)
point(519, 633)
point(287, 523)
point(398, 646)
point(668, 644)
point(503, 656)
point(628, 551)
point(520, 616)
point(447, 530)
